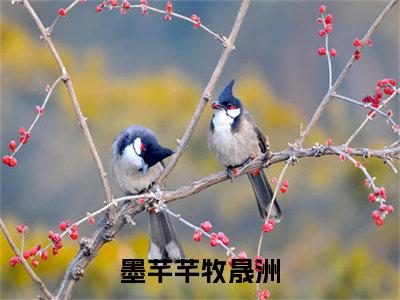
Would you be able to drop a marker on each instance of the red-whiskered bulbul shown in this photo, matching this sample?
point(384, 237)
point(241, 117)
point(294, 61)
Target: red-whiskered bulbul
point(136, 164)
point(235, 138)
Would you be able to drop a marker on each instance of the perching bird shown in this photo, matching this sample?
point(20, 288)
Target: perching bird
point(235, 138)
point(136, 164)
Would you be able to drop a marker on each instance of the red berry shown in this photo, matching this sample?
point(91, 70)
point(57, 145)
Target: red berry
point(74, 234)
point(91, 220)
point(328, 19)
point(319, 21)
point(126, 4)
point(225, 241)
point(27, 254)
point(333, 52)
point(357, 43)
point(206, 226)
point(388, 90)
point(382, 192)
point(39, 110)
point(196, 19)
point(197, 236)
point(242, 255)
point(62, 12)
point(98, 8)
point(12, 145)
point(35, 262)
point(167, 17)
point(376, 215)
point(321, 32)
point(371, 197)
point(321, 51)
point(322, 9)
point(328, 28)
point(169, 7)
point(389, 209)
point(357, 54)
point(379, 222)
point(220, 235)
point(392, 82)
point(268, 227)
point(15, 260)
point(63, 226)
point(329, 142)
point(265, 294)
point(213, 242)
point(32, 252)
point(44, 255)
point(369, 42)
point(113, 2)
point(285, 183)
point(6, 159)
point(22, 228)
point(389, 113)
point(283, 189)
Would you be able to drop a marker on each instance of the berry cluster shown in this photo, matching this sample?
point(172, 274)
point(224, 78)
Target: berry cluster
point(268, 226)
point(262, 295)
point(385, 86)
point(215, 238)
point(358, 46)
point(327, 24)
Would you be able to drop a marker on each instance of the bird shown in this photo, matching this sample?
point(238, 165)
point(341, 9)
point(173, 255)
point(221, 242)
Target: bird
point(137, 161)
point(235, 139)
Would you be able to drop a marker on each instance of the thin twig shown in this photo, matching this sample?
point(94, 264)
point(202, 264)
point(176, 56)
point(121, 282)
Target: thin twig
point(229, 250)
point(359, 128)
point(38, 115)
point(51, 27)
point(207, 92)
point(28, 268)
point(81, 119)
point(368, 106)
point(342, 75)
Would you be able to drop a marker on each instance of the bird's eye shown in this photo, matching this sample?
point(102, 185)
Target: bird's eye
point(232, 106)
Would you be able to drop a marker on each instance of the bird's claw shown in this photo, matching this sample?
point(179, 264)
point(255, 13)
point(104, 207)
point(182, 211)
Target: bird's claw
point(232, 172)
point(319, 150)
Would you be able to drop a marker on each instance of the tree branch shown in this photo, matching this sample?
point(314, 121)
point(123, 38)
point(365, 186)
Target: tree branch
point(184, 141)
point(70, 88)
point(329, 95)
point(28, 268)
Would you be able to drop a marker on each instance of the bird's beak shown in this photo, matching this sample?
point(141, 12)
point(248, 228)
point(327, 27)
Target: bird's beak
point(145, 166)
point(216, 105)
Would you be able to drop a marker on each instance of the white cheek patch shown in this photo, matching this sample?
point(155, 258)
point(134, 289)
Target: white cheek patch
point(130, 158)
point(221, 119)
point(233, 112)
point(137, 144)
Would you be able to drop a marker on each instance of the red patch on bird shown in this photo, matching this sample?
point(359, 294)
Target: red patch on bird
point(256, 172)
point(141, 147)
point(232, 107)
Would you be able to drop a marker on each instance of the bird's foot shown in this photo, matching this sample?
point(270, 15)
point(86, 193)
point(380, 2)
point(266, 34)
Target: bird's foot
point(232, 172)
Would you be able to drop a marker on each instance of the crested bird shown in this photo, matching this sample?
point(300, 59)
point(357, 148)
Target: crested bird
point(235, 138)
point(137, 161)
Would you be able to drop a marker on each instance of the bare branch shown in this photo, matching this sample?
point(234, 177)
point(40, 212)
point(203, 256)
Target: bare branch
point(81, 119)
point(342, 75)
point(28, 268)
point(359, 128)
point(207, 92)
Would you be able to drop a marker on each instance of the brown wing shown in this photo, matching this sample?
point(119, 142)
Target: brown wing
point(261, 138)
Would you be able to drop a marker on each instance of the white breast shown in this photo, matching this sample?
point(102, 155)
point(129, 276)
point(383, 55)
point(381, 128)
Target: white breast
point(231, 148)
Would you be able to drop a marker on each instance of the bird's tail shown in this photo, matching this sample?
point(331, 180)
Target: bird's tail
point(264, 194)
point(164, 242)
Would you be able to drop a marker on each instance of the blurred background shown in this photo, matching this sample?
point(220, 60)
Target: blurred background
point(143, 70)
